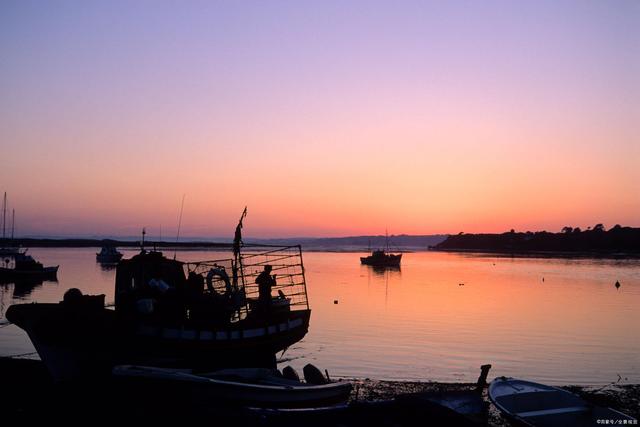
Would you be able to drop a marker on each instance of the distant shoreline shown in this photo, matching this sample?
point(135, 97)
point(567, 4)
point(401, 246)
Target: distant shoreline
point(97, 243)
point(195, 245)
point(617, 242)
point(543, 254)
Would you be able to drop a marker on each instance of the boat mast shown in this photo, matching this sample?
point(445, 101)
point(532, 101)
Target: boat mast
point(237, 257)
point(386, 237)
point(179, 223)
point(13, 223)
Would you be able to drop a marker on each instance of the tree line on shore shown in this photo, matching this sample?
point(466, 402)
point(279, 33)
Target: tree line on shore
point(617, 239)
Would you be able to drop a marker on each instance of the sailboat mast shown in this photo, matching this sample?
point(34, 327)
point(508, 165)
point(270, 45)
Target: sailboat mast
point(386, 236)
point(13, 222)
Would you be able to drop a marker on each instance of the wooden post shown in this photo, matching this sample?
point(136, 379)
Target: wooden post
point(482, 379)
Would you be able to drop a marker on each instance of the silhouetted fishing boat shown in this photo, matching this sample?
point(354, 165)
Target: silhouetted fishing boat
point(534, 404)
point(108, 254)
point(25, 268)
point(239, 387)
point(382, 257)
point(205, 315)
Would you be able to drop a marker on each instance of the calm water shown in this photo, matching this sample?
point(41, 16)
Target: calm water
point(421, 324)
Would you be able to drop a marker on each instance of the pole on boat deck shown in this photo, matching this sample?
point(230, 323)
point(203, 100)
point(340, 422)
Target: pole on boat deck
point(237, 257)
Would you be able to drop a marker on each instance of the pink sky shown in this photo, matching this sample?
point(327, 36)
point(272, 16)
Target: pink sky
point(324, 120)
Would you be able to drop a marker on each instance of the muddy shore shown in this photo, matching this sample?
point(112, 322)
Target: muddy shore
point(27, 393)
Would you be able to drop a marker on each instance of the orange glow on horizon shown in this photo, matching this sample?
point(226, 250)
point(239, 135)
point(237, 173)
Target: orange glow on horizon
point(350, 124)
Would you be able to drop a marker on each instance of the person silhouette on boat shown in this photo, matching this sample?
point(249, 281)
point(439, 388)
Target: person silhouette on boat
point(265, 282)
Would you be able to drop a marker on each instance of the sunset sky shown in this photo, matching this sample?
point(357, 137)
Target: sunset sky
point(324, 118)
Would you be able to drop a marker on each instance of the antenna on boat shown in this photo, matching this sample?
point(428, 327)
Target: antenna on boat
point(179, 223)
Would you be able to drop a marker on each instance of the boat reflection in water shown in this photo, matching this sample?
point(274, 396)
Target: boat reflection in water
point(23, 288)
point(201, 315)
point(108, 255)
point(385, 271)
point(107, 266)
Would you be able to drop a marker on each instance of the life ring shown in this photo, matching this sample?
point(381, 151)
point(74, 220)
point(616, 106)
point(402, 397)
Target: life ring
point(221, 273)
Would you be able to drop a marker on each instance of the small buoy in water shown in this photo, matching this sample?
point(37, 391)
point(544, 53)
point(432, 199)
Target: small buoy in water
point(335, 301)
point(617, 285)
point(543, 279)
point(460, 284)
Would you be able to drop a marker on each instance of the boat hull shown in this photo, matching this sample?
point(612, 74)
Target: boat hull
point(10, 274)
point(206, 389)
point(386, 261)
point(532, 404)
point(77, 345)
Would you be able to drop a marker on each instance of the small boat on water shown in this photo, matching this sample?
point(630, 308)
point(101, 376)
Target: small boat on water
point(108, 254)
point(382, 257)
point(25, 268)
point(11, 251)
point(534, 404)
point(238, 387)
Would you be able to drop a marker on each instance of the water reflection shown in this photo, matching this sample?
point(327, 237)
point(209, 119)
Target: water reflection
point(419, 323)
point(108, 266)
point(24, 287)
point(384, 271)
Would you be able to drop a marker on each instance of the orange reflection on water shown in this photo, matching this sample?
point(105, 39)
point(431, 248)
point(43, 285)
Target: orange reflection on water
point(420, 323)
point(443, 315)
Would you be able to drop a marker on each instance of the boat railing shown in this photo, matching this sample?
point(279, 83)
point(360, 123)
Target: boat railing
point(285, 261)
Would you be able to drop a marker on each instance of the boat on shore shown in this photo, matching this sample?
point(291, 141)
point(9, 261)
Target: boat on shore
point(533, 404)
point(238, 387)
point(203, 315)
point(108, 255)
point(24, 268)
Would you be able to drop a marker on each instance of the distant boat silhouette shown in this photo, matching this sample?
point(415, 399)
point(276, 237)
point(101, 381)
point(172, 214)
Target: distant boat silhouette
point(382, 257)
point(26, 268)
point(108, 254)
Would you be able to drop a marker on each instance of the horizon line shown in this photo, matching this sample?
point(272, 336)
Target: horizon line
point(213, 238)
